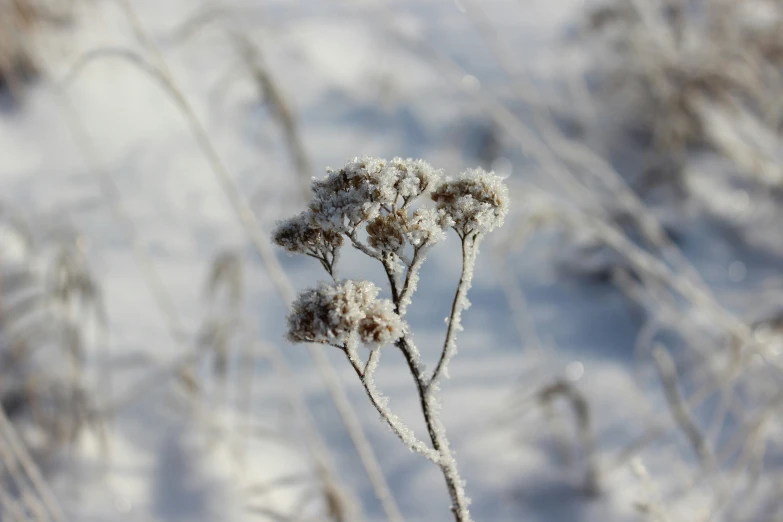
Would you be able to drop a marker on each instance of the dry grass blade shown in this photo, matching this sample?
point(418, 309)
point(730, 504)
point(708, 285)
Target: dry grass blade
point(581, 408)
point(269, 89)
point(706, 74)
point(13, 442)
point(273, 96)
point(43, 320)
point(668, 373)
point(225, 276)
point(253, 229)
point(652, 508)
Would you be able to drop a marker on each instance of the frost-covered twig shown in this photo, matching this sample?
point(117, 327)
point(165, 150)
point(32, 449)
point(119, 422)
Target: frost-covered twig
point(380, 402)
point(378, 195)
point(460, 303)
point(411, 278)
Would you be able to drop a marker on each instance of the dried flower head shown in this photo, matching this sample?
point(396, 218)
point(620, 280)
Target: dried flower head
point(302, 235)
point(382, 325)
point(349, 196)
point(366, 186)
point(412, 177)
point(426, 226)
point(333, 312)
point(387, 232)
point(476, 202)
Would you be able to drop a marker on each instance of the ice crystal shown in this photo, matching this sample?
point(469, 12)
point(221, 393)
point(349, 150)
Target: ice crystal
point(476, 202)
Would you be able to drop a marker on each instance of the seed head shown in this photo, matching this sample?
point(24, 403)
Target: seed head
point(412, 177)
point(426, 226)
point(387, 232)
point(365, 186)
point(302, 235)
point(476, 202)
point(382, 325)
point(349, 196)
point(333, 312)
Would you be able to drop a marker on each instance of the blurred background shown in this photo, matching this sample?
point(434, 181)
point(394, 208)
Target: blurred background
point(622, 357)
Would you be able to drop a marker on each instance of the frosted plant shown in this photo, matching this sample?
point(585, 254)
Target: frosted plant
point(377, 197)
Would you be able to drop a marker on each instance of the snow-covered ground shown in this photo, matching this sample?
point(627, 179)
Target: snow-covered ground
point(361, 78)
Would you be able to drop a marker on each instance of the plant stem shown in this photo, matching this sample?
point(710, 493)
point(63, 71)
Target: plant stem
point(437, 432)
point(469, 250)
point(403, 432)
point(426, 391)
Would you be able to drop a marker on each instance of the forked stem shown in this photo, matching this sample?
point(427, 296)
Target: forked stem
point(427, 387)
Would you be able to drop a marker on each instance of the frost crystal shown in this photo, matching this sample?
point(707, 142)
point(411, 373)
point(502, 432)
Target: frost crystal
point(333, 312)
point(477, 201)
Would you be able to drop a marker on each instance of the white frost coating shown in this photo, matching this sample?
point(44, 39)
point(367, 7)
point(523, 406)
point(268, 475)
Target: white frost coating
point(411, 282)
point(424, 229)
point(448, 463)
point(332, 313)
point(477, 201)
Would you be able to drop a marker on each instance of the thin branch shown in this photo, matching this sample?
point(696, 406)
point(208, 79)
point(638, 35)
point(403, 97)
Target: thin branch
point(392, 277)
point(469, 251)
point(362, 247)
point(429, 406)
point(404, 433)
point(411, 279)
